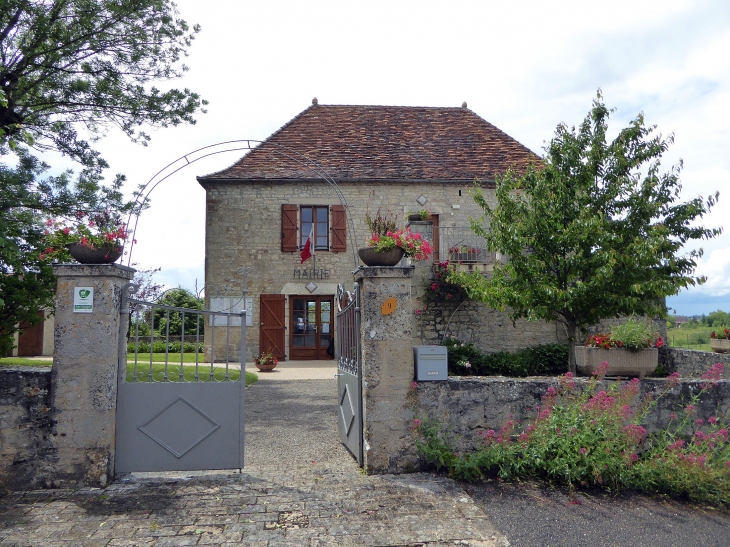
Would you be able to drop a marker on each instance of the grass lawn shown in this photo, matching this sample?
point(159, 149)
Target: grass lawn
point(158, 370)
point(690, 337)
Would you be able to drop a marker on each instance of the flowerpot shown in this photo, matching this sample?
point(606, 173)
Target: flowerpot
point(621, 361)
point(720, 345)
point(265, 367)
point(371, 257)
point(463, 257)
point(105, 254)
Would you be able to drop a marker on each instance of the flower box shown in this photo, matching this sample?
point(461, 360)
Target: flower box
point(621, 361)
point(720, 345)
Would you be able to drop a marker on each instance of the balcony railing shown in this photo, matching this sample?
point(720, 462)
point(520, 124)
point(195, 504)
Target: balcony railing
point(460, 244)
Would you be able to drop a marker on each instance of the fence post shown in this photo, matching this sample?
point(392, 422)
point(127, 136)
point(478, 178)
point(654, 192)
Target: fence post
point(84, 374)
point(387, 368)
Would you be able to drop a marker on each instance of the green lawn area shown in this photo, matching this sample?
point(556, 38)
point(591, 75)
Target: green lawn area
point(690, 337)
point(158, 370)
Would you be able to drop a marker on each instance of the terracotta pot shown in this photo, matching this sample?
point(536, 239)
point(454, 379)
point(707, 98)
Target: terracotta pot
point(621, 361)
point(371, 257)
point(720, 345)
point(265, 368)
point(106, 254)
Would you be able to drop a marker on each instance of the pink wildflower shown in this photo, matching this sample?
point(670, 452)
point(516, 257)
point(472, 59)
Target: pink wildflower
point(714, 373)
point(712, 420)
point(584, 451)
point(672, 380)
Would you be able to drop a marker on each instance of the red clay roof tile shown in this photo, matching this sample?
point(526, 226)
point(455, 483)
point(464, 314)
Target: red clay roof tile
point(369, 143)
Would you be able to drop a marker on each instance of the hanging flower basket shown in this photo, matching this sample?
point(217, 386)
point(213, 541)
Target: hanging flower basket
point(103, 254)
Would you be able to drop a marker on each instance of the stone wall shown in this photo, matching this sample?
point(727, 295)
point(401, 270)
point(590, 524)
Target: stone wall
point(691, 363)
point(27, 450)
point(243, 228)
point(465, 406)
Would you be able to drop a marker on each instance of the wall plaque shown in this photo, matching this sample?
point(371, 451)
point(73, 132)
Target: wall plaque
point(389, 306)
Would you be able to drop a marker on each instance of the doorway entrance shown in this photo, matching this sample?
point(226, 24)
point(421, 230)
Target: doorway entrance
point(310, 327)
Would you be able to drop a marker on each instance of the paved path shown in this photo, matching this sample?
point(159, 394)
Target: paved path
point(299, 488)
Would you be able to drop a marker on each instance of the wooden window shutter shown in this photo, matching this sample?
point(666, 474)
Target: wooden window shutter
point(289, 224)
point(339, 229)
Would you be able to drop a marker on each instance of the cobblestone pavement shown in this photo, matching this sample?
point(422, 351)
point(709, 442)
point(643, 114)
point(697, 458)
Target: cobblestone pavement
point(299, 488)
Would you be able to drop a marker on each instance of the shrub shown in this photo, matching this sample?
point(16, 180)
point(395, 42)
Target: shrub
point(159, 347)
point(467, 360)
point(594, 438)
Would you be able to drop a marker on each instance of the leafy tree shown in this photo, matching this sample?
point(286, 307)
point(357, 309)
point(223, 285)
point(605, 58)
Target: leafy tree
point(720, 317)
point(179, 298)
point(593, 232)
point(70, 68)
point(69, 64)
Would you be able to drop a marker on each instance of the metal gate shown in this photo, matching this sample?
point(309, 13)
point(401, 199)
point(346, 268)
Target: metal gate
point(349, 371)
point(186, 414)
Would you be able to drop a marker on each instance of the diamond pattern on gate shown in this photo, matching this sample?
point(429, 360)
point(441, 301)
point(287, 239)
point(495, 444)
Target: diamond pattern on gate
point(348, 413)
point(179, 427)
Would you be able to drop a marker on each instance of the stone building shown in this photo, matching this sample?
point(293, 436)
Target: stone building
point(261, 210)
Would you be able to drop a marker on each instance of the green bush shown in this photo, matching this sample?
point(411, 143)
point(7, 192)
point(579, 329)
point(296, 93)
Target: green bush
point(160, 346)
point(543, 360)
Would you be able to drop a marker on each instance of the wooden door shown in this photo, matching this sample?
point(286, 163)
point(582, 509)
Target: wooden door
point(30, 339)
point(272, 327)
point(310, 326)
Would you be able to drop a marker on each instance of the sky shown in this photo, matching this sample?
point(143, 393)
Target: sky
point(524, 66)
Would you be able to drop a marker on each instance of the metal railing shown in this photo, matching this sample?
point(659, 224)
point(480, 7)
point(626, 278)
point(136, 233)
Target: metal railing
point(154, 321)
point(460, 244)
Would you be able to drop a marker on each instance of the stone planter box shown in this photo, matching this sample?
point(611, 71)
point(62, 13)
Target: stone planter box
point(720, 346)
point(621, 362)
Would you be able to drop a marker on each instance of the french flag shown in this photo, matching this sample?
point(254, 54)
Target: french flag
point(308, 249)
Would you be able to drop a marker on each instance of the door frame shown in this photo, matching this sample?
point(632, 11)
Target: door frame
point(318, 352)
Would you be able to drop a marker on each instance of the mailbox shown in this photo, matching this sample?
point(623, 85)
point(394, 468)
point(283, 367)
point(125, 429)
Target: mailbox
point(431, 363)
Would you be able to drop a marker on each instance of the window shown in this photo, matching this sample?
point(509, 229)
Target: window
point(330, 227)
point(319, 216)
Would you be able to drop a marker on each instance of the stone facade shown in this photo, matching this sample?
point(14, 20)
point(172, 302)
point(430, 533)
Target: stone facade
point(243, 223)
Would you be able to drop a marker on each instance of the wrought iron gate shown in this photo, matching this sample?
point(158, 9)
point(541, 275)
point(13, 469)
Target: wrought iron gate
point(175, 416)
point(349, 371)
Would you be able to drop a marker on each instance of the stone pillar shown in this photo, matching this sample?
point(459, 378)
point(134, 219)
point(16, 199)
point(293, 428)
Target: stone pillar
point(387, 368)
point(84, 374)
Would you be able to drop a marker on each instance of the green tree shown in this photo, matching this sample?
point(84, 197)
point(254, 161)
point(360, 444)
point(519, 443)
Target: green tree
point(593, 232)
point(179, 298)
point(70, 68)
point(720, 317)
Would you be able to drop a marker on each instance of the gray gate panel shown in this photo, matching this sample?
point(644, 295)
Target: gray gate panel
point(349, 373)
point(179, 426)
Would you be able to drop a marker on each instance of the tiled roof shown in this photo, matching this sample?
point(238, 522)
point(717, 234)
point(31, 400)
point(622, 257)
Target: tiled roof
point(370, 143)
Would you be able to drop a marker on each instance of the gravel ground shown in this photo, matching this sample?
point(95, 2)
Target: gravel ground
point(309, 435)
point(531, 514)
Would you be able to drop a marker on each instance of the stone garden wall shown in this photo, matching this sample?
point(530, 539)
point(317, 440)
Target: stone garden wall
point(467, 405)
point(26, 446)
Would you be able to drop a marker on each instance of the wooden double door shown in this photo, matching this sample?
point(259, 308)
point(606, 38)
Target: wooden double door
point(311, 327)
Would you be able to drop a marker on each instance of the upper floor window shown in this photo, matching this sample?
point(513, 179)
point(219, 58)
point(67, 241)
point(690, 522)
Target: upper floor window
point(319, 217)
point(330, 227)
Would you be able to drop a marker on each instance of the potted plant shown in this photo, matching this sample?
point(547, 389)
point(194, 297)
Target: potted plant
point(266, 362)
point(388, 245)
point(630, 349)
point(93, 238)
point(720, 341)
point(420, 215)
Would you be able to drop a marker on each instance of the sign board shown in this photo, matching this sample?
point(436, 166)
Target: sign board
point(83, 300)
point(389, 306)
point(231, 305)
